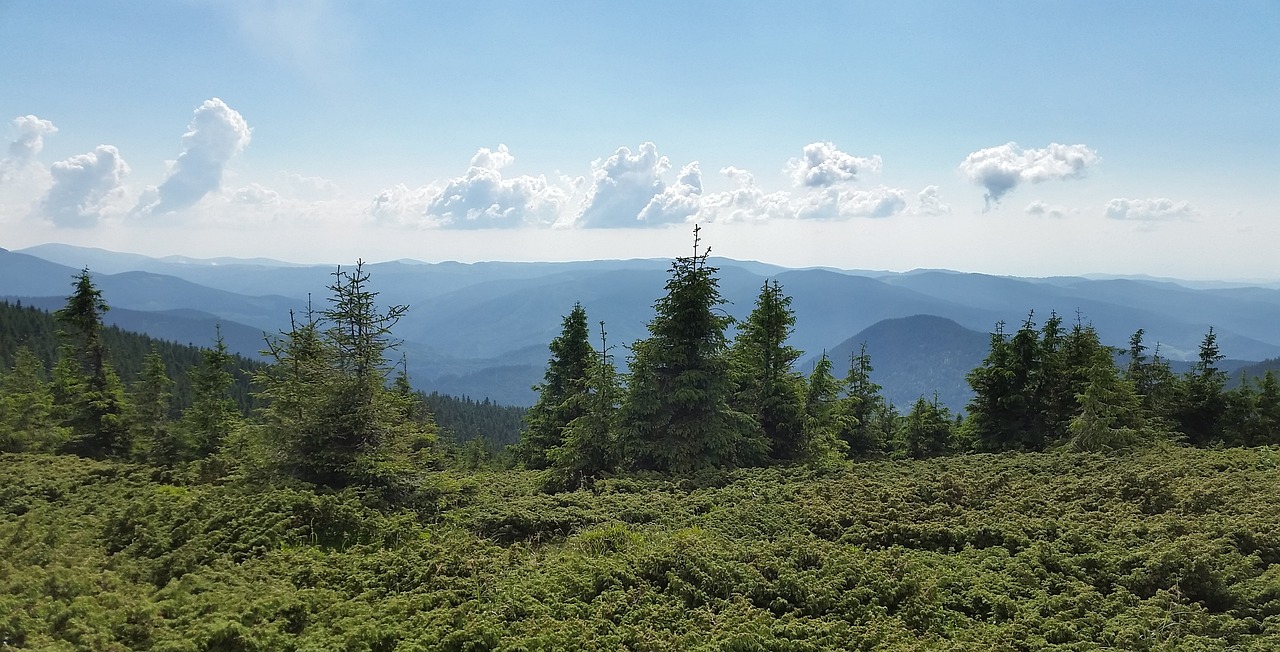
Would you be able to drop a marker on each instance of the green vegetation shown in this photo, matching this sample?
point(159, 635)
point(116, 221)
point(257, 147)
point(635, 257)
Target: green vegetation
point(709, 498)
point(32, 329)
point(1169, 548)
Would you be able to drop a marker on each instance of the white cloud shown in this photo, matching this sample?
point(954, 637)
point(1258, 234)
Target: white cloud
point(822, 165)
point(746, 203)
point(626, 189)
point(29, 140)
point(256, 195)
point(1039, 208)
point(1000, 169)
point(400, 204)
point(1149, 210)
point(216, 133)
point(678, 201)
point(83, 186)
point(481, 198)
point(845, 203)
point(624, 186)
point(931, 202)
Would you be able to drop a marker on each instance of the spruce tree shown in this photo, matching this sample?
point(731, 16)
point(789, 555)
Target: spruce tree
point(822, 423)
point(1201, 402)
point(676, 415)
point(1110, 415)
point(560, 395)
point(27, 418)
point(151, 429)
point(213, 414)
point(331, 419)
point(295, 389)
point(1006, 411)
point(861, 408)
point(96, 407)
point(589, 446)
point(1265, 429)
point(926, 431)
point(766, 385)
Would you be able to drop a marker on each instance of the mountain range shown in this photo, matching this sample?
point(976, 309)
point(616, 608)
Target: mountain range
point(482, 329)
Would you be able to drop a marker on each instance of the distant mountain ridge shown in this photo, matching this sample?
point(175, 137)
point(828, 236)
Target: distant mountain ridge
point(481, 329)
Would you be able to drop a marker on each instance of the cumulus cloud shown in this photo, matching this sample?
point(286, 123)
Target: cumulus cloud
point(624, 187)
point(636, 189)
point(845, 203)
point(29, 140)
point(746, 203)
point(82, 187)
point(216, 134)
point(400, 204)
point(1039, 208)
point(822, 165)
point(481, 198)
point(678, 201)
point(1149, 210)
point(1000, 169)
point(931, 203)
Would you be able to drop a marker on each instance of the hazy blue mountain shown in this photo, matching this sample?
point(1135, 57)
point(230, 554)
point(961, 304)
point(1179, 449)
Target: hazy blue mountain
point(915, 356)
point(112, 262)
point(481, 329)
point(182, 326)
point(22, 275)
point(1173, 316)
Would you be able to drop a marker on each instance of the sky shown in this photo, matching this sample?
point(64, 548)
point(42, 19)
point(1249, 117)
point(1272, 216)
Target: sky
point(1032, 138)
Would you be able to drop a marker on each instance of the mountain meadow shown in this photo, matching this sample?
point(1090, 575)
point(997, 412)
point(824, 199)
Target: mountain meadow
point(694, 469)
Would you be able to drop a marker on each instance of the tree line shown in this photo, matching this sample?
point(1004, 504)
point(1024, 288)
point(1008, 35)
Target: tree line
point(330, 409)
point(692, 398)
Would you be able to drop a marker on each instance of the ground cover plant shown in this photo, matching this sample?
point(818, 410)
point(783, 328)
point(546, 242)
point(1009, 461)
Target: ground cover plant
point(1168, 548)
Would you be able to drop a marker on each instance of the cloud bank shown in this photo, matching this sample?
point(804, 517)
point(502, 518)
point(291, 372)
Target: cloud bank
point(635, 189)
point(83, 186)
point(216, 134)
point(1149, 210)
point(1001, 169)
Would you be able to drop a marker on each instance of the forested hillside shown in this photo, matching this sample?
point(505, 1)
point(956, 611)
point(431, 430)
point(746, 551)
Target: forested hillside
point(37, 330)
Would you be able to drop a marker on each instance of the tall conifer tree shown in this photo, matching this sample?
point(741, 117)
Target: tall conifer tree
point(213, 414)
point(152, 431)
point(766, 385)
point(676, 415)
point(560, 395)
point(95, 412)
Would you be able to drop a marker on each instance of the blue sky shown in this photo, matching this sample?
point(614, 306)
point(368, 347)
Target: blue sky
point(1029, 138)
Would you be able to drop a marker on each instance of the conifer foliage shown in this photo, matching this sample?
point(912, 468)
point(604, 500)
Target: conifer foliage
point(332, 420)
point(676, 415)
point(561, 394)
point(92, 395)
point(766, 385)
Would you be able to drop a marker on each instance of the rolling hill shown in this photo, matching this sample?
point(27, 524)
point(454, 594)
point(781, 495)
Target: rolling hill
point(481, 329)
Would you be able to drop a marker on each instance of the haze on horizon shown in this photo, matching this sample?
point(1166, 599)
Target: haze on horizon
point(1033, 139)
